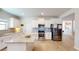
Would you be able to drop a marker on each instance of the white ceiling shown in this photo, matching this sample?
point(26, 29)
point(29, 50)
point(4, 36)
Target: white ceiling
point(24, 12)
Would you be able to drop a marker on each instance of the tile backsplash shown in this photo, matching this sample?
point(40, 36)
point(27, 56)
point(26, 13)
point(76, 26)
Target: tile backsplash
point(45, 29)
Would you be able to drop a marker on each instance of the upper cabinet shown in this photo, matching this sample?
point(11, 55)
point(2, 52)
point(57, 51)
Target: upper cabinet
point(14, 23)
point(41, 21)
point(37, 21)
point(34, 23)
point(47, 24)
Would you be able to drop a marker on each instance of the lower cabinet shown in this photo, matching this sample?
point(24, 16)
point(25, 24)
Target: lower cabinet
point(16, 46)
point(34, 36)
point(3, 41)
point(2, 44)
point(48, 35)
point(19, 46)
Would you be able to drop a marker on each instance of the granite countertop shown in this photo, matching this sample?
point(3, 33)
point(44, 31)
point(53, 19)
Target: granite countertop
point(20, 38)
point(20, 41)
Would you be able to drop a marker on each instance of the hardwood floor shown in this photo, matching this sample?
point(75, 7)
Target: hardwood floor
point(67, 44)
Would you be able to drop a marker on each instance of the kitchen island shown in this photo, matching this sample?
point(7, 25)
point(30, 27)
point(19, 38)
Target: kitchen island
point(20, 42)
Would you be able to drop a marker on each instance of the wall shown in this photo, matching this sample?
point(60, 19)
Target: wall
point(6, 16)
point(69, 12)
point(76, 25)
point(27, 24)
point(76, 44)
point(69, 15)
point(31, 22)
point(9, 17)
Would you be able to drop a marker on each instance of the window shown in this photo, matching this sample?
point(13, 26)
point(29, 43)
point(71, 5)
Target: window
point(3, 25)
point(11, 22)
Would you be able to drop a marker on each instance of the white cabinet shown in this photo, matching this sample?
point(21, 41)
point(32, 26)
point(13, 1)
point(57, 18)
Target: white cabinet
point(14, 22)
point(3, 40)
point(34, 23)
point(16, 46)
point(2, 43)
point(48, 35)
point(19, 46)
point(34, 36)
point(47, 25)
point(41, 21)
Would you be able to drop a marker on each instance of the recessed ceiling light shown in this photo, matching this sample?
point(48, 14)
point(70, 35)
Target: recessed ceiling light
point(42, 13)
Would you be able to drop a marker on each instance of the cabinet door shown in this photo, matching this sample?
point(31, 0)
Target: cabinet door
point(2, 44)
point(34, 23)
point(48, 35)
point(16, 47)
point(47, 25)
point(35, 36)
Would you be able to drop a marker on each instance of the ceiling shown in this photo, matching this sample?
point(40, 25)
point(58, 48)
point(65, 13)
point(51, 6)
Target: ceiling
point(26, 12)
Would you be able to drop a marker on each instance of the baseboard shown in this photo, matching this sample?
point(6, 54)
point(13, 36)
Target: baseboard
point(76, 48)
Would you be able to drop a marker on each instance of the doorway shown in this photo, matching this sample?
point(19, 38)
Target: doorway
point(67, 34)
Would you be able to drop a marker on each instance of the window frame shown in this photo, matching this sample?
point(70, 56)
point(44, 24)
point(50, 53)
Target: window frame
point(6, 24)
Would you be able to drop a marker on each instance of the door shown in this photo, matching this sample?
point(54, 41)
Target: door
point(67, 27)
